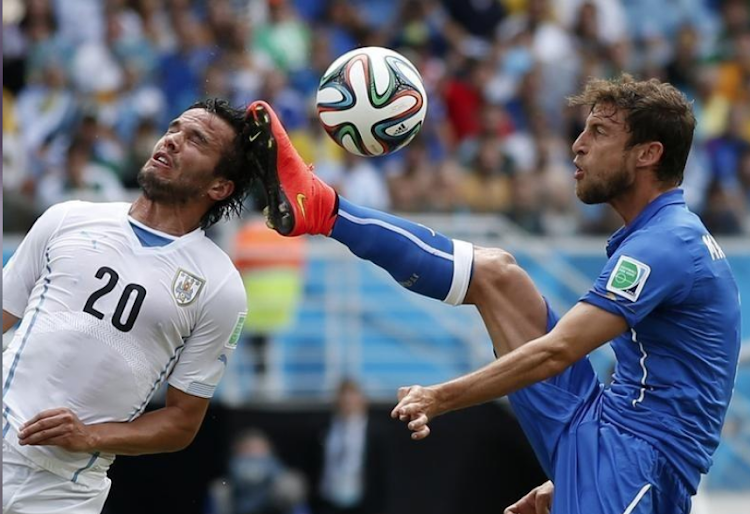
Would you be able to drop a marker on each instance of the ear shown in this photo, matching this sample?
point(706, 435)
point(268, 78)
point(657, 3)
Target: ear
point(220, 189)
point(649, 154)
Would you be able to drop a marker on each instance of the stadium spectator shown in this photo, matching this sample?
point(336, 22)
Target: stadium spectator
point(19, 187)
point(360, 179)
point(723, 213)
point(138, 101)
point(183, 69)
point(352, 474)
point(343, 27)
point(487, 185)
point(139, 150)
point(291, 104)
point(726, 150)
point(106, 148)
point(744, 176)
point(69, 14)
point(156, 24)
point(284, 39)
point(79, 179)
point(526, 208)
point(494, 124)
point(411, 181)
point(45, 112)
point(447, 181)
point(464, 95)
point(243, 66)
point(257, 481)
point(313, 142)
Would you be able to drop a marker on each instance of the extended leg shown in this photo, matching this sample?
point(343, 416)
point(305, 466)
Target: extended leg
point(420, 259)
point(453, 271)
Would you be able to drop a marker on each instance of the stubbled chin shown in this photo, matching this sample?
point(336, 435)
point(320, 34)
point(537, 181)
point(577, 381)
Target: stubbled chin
point(581, 194)
point(153, 183)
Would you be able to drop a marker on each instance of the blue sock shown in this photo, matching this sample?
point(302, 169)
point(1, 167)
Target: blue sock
point(420, 259)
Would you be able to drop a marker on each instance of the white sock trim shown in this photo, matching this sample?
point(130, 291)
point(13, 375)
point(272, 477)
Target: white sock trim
point(463, 258)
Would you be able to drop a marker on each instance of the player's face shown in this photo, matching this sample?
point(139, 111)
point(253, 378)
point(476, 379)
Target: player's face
point(604, 165)
point(182, 164)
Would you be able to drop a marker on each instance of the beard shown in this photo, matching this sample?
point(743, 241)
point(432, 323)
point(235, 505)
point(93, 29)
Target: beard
point(165, 192)
point(603, 190)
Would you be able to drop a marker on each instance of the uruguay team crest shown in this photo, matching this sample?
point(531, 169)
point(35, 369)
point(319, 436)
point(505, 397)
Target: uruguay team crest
point(186, 287)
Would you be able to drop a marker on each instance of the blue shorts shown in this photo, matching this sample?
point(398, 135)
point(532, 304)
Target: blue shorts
point(596, 467)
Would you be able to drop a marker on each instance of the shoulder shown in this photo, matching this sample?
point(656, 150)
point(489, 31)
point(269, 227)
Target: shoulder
point(654, 242)
point(55, 217)
point(212, 253)
point(674, 229)
point(672, 246)
point(220, 269)
point(659, 246)
point(83, 209)
point(61, 210)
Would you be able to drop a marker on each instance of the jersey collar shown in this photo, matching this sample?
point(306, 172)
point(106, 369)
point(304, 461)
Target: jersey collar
point(672, 197)
point(127, 220)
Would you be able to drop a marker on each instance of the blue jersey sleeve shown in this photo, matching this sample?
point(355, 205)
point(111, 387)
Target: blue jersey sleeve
point(646, 271)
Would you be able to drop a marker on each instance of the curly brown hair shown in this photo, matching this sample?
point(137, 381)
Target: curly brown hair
point(654, 111)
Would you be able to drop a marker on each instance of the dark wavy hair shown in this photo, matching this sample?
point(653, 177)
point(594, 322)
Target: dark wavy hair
point(654, 111)
point(233, 164)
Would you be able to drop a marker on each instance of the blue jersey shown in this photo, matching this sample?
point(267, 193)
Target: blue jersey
point(676, 366)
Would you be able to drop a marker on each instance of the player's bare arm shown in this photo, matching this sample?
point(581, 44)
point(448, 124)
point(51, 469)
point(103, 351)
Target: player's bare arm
point(8, 321)
point(168, 429)
point(583, 329)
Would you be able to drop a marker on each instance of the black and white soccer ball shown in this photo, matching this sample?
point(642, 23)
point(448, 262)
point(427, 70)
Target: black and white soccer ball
point(372, 101)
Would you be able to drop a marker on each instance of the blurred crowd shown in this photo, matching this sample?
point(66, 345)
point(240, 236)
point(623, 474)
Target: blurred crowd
point(346, 476)
point(90, 85)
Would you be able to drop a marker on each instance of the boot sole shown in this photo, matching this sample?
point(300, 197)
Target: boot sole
point(280, 210)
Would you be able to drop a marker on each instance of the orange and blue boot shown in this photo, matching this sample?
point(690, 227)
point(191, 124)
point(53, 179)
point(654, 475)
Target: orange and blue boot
point(298, 201)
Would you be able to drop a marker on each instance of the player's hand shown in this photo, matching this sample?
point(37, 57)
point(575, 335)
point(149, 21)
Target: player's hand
point(417, 406)
point(57, 427)
point(538, 501)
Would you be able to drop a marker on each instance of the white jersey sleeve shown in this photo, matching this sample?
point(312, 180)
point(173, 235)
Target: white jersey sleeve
point(26, 266)
point(208, 349)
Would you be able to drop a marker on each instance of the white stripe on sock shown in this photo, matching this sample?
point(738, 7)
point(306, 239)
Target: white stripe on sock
point(463, 257)
point(393, 228)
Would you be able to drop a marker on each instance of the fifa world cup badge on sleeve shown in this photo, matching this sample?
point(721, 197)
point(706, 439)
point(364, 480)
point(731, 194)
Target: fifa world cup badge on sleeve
point(235, 337)
point(186, 287)
point(628, 278)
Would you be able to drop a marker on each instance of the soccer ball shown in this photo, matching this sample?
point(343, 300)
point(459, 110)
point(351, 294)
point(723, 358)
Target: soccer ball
point(372, 101)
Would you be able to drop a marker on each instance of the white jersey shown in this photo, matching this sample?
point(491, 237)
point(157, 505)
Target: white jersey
point(107, 320)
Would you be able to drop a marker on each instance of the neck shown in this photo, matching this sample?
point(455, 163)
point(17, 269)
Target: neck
point(175, 220)
point(632, 202)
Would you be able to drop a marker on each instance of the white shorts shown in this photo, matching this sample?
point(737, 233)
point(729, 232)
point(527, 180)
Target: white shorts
point(29, 489)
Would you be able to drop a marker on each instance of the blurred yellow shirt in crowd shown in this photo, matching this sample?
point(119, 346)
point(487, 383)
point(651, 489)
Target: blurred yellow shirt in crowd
point(9, 112)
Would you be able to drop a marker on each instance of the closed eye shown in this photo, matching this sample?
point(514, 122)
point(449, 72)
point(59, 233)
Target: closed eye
point(198, 137)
